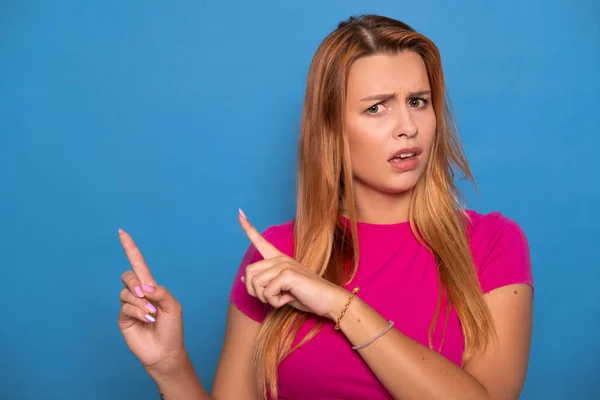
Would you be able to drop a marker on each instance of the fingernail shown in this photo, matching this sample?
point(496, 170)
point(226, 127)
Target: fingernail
point(242, 213)
point(138, 291)
point(120, 231)
point(150, 308)
point(148, 288)
point(149, 318)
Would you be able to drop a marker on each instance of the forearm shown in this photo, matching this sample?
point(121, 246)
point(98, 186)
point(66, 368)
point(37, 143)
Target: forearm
point(405, 367)
point(181, 384)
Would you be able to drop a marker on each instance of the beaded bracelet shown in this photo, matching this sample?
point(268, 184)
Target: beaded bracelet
point(386, 330)
point(337, 323)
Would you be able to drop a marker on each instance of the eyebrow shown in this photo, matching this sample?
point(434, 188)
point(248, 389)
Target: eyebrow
point(389, 96)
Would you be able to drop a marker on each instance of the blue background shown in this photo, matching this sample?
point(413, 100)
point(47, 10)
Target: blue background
point(164, 117)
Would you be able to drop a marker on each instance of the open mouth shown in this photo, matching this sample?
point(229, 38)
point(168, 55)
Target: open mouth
point(404, 156)
point(406, 159)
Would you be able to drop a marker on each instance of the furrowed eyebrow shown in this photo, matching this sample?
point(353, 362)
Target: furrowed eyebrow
point(390, 96)
point(380, 97)
point(420, 94)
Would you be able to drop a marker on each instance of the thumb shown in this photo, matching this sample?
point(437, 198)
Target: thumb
point(163, 299)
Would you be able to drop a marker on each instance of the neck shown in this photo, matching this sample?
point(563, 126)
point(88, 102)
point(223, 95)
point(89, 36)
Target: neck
point(376, 207)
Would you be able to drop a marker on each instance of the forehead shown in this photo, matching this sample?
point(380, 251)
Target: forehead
point(383, 73)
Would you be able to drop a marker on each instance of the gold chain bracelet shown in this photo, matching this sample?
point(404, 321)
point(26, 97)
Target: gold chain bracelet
point(337, 323)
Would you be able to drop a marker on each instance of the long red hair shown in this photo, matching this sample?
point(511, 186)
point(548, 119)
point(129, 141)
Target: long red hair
point(323, 242)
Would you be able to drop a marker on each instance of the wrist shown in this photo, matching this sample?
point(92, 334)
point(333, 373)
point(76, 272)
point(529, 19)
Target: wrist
point(340, 297)
point(171, 368)
point(179, 380)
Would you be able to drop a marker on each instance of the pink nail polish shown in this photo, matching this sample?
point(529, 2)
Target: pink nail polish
point(148, 288)
point(138, 291)
point(149, 318)
point(150, 308)
point(242, 213)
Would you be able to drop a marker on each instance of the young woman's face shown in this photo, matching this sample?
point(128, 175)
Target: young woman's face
point(390, 122)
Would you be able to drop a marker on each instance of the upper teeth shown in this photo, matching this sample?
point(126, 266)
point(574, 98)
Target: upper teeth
point(404, 155)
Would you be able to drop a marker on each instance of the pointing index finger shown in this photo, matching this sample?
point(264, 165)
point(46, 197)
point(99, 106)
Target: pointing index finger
point(136, 259)
point(264, 247)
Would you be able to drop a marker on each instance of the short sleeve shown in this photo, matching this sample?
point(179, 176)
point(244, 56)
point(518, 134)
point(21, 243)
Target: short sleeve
point(251, 306)
point(504, 255)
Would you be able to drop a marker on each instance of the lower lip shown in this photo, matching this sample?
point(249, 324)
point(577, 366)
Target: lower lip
point(406, 164)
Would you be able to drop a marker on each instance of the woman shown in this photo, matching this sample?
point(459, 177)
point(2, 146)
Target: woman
point(383, 286)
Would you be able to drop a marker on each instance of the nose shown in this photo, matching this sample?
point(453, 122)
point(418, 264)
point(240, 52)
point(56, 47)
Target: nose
point(405, 126)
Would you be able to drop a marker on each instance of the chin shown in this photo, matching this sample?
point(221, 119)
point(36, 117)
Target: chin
point(393, 185)
point(402, 184)
point(398, 190)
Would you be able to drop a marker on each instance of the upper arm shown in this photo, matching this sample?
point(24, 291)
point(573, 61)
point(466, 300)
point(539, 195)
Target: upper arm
point(234, 379)
point(502, 368)
point(505, 274)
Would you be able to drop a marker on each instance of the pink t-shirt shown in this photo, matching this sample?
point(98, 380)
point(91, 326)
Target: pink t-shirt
point(397, 277)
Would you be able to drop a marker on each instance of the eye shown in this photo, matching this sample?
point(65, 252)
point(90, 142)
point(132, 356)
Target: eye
point(375, 109)
point(417, 102)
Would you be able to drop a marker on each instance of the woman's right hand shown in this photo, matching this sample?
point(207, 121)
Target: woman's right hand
point(150, 319)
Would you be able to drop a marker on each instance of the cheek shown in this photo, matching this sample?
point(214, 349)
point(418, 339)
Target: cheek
point(367, 145)
point(359, 151)
point(427, 129)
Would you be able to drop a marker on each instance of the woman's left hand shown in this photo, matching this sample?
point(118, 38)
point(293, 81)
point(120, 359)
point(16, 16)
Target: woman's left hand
point(280, 280)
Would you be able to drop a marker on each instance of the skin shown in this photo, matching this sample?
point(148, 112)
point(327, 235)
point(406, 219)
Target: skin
point(401, 117)
point(406, 368)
